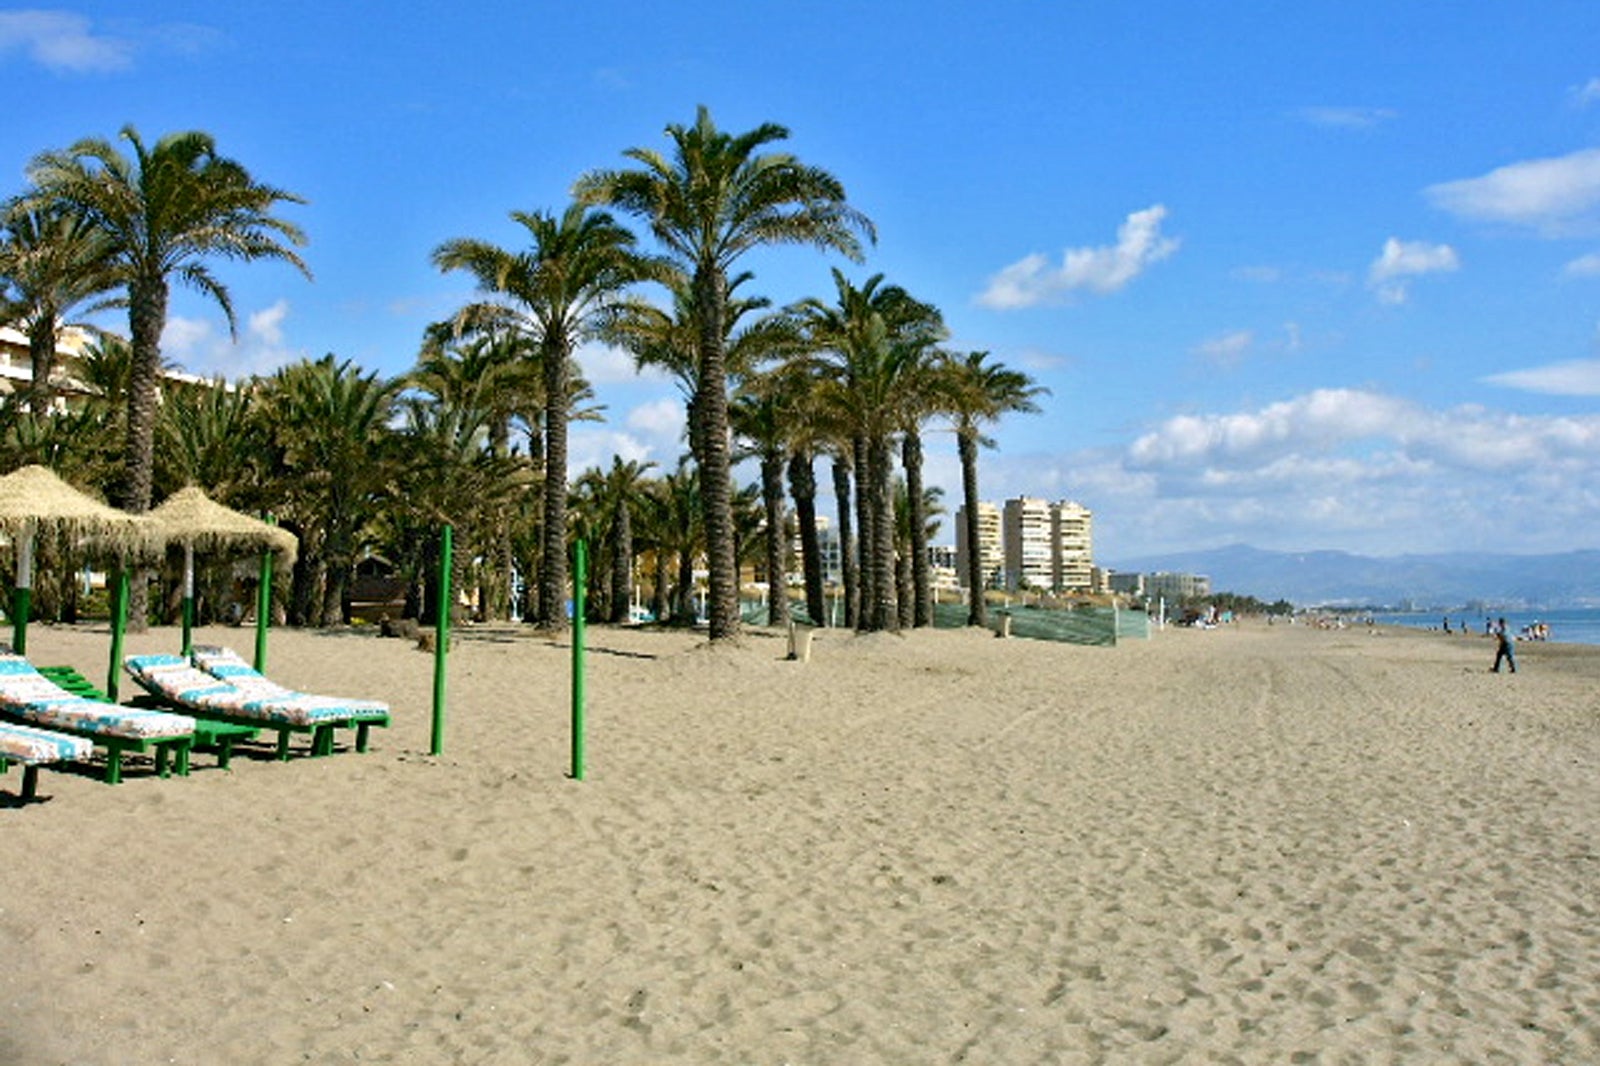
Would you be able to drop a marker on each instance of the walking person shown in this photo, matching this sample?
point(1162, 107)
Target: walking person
point(1504, 649)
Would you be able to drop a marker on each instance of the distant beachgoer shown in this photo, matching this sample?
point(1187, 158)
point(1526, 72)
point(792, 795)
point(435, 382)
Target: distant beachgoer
point(1503, 647)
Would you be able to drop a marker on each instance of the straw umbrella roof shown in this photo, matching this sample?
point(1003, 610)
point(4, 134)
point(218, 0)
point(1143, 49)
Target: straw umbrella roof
point(35, 500)
point(191, 517)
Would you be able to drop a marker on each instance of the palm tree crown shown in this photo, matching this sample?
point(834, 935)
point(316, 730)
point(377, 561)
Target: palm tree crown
point(716, 197)
point(164, 209)
point(568, 284)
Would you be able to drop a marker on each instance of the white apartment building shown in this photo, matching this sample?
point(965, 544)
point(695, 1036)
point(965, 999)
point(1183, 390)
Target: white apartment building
point(1071, 546)
point(991, 555)
point(1025, 532)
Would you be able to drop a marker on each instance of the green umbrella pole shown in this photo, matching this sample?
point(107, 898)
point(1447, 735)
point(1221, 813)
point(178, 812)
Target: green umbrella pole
point(263, 608)
point(580, 582)
point(22, 595)
point(441, 643)
point(119, 626)
point(188, 599)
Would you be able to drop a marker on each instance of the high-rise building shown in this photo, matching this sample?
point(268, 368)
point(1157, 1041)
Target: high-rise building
point(991, 557)
point(1025, 530)
point(1071, 547)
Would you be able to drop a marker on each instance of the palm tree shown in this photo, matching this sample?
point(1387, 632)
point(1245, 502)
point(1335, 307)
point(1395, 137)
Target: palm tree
point(207, 435)
point(875, 338)
point(164, 210)
point(974, 391)
point(488, 366)
point(333, 456)
point(53, 261)
point(758, 416)
point(567, 283)
point(717, 197)
point(615, 495)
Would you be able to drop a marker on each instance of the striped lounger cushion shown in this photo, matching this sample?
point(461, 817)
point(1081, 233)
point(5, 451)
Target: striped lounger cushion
point(175, 678)
point(27, 693)
point(226, 665)
point(32, 747)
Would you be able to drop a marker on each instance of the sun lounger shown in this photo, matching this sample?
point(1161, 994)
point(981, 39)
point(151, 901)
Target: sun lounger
point(30, 698)
point(34, 748)
point(177, 682)
point(208, 734)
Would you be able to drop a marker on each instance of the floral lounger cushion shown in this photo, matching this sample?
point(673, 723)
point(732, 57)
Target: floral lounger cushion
point(26, 693)
point(225, 664)
point(174, 678)
point(34, 746)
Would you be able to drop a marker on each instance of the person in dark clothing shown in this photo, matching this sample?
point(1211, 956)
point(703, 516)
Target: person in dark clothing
point(1504, 649)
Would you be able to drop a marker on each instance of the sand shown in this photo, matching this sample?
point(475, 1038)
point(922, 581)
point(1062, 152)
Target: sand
point(1246, 845)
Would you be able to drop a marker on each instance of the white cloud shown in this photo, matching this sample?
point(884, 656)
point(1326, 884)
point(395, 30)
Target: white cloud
point(1576, 377)
point(1355, 469)
point(1032, 281)
point(1585, 266)
point(605, 365)
point(1228, 349)
point(658, 419)
point(1587, 93)
point(267, 325)
point(62, 41)
point(1402, 260)
point(1551, 195)
point(1347, 118)
point(198, 346)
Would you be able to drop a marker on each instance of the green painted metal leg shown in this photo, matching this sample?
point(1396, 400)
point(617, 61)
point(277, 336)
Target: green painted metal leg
point(224, 751)
point(114, 766)
point(161, 761)
point(30, 782)
point(182, 761)
point(363, 731)
point(322, 741)
point(283, 745)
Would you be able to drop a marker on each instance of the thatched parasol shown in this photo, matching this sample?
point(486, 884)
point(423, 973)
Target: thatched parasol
point(191, 518)
point(33, 501)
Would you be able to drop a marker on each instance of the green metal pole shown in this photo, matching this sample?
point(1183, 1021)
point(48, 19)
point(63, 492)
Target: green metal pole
point(580, 582)
point(188, 600)
point(21, 605)
point(263, 608)
point(22, 595)
point(119, 626)
point(441, 644)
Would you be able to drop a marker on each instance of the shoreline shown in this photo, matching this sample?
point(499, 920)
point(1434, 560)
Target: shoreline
point(1253, 842)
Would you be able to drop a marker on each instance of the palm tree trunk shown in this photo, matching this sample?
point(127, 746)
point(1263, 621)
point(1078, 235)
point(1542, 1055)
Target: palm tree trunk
point(903, 582)
point(553, 553)
point(803, 487)
point(866, 516)
point(710, 292)
point(683, 612)
point(884, 615)
point(967, 447)
point(42, 359)
point(658, 596)
point(847, 547)
point(916, 510)
point(147, 315)
point(622, 564)
point(776, 538)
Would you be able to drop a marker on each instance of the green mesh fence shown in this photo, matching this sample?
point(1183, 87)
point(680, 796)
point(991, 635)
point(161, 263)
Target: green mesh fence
point(1080, 625)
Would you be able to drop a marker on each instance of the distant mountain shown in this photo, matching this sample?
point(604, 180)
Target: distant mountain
point(1570, 579)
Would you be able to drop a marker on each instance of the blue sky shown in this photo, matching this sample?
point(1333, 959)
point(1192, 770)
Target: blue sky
point(1323, 275)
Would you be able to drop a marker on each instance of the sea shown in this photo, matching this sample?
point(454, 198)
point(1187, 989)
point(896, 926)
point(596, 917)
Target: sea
point(1578, 625)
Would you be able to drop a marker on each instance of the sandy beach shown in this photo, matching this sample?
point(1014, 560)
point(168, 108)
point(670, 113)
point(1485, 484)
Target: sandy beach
point(1256, 844)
